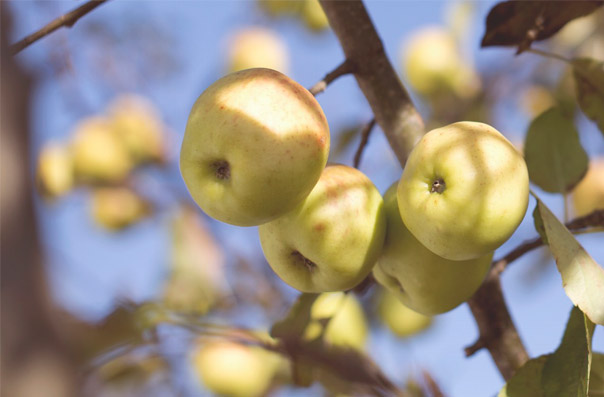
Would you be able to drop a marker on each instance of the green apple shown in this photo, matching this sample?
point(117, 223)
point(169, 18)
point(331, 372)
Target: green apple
point(347, 326)
point(276, 8)
point(330, 241)
point(257, 47)
point(313, 15)
point(401, 320)
point(116, 208)
point(230, 369)
point(422, 280)
point(54, 175)
point(588, 195)
point(254, 146)
point(464, 190)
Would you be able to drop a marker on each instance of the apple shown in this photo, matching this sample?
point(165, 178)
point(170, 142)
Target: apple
point(276, 8)
point(588, 195)
point(254, 146)
point(55, 170)
point(257, 47)
point(347, 326)
point(422, 280)
point(116, 208)
point(330, 241)
point(313, 15)
point(400, 319)
point(98, 153)
point(230, 369)
point(464, 190)
point(135, 121)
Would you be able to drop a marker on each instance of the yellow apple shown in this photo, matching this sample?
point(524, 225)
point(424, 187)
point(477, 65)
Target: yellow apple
point(116, 208)
point(55, 170)
point(464, 190)
point(588, 195)
point(330, 241)
point(98, 153)
point(422, 280)
point(257, 47)
point(400, 319)
point(254, 146)
point(277, 8)
point(535, 99)
point(234, 370)
point(313, 15)
point(347, 326)
point(135, 121)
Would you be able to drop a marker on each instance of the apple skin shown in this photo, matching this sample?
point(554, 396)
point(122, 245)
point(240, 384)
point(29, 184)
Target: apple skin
point(255, 47)
point(422, 280)
point(401, 320)
point(347, 326)
point(588, 195)
point(54, 175)
point(116, 208)
point(313, 15)
point(331, 241)
point(254, 146)
point(485, 189)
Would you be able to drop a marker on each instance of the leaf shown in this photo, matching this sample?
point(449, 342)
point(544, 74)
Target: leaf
point(589, 83)
point(538, 221)
point(519, 23)
point(596, 377)
point(565, 372)
point(554, 156)
point(526, 382)
point(582, 277)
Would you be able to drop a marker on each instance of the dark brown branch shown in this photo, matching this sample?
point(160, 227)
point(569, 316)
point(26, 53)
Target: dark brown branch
point(364, 140)
point(67, 20)
point(345, 67)
point(391, 104)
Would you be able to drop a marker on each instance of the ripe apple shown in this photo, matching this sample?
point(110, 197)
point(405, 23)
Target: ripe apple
point(230, 369)
point(254, 146)
point(401, 320)
point(55, 170)
point(313, 15)
point(588, 195)
point(98, 154)
point(136, 123)
point(347, 326)
point(422, 280)
point(276, 8)
point(330, 241)
point(464, 190)
point(116, 208)
point(257, 47)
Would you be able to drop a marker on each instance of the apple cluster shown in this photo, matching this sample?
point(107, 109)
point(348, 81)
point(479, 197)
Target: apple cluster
point(255, 154)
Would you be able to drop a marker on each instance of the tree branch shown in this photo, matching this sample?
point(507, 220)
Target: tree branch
point(67, 20)
point(391, 104)
point(345, 67)
point(364, 140)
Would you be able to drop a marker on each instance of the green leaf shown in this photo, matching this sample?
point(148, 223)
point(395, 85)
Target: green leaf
point(589, 83)
point(555, 159)
point(539, 224)
point(566, 372)
point(519, 23)
point(526, 382)
point(582, 277)
point(596, 377)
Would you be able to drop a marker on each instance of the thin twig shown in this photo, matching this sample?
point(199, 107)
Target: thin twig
point(67, 20)
point(345, 67)
point(549, 55)
point(364, 140)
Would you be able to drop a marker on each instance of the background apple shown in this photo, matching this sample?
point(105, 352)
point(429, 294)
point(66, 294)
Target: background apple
point(313, 15)
point(588, 195)
point(257, 47)
point(401, 320)
point(464, 190)
point(331, 241)
point(254, 146)
point(55, 170)
point(116, 208)
point(422, 280)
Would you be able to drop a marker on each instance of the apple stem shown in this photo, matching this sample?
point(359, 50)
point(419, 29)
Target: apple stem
point(310, 265)
point(438, 186)
point(222, 169)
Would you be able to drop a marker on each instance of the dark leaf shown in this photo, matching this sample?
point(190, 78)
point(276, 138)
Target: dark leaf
point(519, 23)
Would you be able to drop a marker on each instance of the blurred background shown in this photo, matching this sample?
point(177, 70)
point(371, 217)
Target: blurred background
point(122, 243)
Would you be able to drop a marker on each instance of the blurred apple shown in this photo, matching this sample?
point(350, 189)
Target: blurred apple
point(98, 153)
point(55, 170)
point(347, 326)
point(432, 63)
point(332, 239)
point(575, 32)
point(400, 319)
point(257, 47)
point(235, 370)
point(313, 15)
point(136, 122)
point(116, 208)
point(276, 8)
point(536, 99)
point(588, 195)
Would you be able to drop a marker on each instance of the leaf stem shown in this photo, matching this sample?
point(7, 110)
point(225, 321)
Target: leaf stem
point(550, 55)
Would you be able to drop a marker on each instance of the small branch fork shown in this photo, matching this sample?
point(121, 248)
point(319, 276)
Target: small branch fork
point(344, 68)
point(67, 20)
